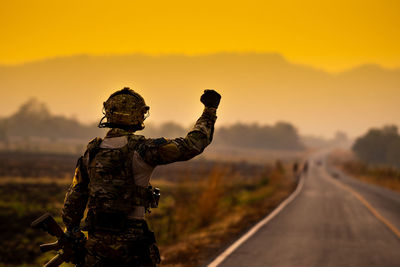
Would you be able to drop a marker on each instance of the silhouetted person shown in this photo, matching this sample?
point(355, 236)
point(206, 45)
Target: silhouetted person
point(112, 180)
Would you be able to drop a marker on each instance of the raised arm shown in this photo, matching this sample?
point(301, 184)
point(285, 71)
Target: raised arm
point(163, 151)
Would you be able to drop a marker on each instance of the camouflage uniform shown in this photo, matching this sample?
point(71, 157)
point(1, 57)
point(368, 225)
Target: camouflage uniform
point(111, 179)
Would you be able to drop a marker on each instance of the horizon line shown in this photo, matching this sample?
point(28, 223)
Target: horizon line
point(193, 55)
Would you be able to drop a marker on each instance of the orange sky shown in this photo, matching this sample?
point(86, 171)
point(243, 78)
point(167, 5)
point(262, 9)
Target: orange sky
point(333, 34)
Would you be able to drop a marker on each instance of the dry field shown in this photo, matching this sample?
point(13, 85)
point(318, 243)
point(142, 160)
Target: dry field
point(205, 204)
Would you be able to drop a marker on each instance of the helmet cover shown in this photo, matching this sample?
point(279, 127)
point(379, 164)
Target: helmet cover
point(125, 109)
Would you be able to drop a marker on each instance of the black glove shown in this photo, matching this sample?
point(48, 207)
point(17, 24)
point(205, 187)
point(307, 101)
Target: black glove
point(75, 234)
point(76, 246)
point(210, 98)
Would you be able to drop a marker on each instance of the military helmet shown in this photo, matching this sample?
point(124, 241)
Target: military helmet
point(125, 109)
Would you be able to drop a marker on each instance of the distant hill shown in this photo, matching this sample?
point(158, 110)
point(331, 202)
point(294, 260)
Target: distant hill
point(262, 88)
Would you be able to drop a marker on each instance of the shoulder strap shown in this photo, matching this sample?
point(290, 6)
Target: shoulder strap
point(134, 141)
point(93, 147)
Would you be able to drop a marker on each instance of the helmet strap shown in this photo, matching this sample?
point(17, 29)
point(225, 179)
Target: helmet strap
point(135, 127)
point(101, 123)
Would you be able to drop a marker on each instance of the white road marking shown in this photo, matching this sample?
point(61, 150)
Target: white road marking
point(218, 260)
point(374, 212)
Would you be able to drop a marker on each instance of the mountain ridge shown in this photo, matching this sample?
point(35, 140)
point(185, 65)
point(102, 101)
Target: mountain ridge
point(88, 56)
point(263, 88)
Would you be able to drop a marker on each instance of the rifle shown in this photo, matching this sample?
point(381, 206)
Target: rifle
point(72, 249)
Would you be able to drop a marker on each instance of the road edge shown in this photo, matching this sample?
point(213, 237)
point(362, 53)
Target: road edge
point(364, 202)
point(221, 257)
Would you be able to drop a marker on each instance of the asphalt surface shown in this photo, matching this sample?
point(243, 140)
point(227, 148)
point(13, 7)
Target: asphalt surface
point(327, 225)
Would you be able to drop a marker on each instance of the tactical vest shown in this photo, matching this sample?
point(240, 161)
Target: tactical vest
point(112, 189)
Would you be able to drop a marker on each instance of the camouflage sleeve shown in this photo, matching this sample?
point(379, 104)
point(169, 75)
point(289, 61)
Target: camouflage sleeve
point(77, 196)
point(163, 151)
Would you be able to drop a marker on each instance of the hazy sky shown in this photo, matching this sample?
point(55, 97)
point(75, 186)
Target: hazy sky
point(262, 88)
point(332, 34)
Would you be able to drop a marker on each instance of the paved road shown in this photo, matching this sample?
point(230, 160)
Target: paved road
point(385, 201)
point(327, 225)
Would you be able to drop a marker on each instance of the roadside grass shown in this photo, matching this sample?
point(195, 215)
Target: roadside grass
point(202, 208)
point(20, 204)
point(219, 215)
point(382, 175)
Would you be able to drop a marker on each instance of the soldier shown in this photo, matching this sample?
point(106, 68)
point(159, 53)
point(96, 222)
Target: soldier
point(112, 179)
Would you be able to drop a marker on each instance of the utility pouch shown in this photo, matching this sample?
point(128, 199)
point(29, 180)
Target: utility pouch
point(154, 196)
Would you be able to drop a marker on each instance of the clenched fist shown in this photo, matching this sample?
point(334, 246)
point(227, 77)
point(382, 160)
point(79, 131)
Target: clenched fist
point(210, 98)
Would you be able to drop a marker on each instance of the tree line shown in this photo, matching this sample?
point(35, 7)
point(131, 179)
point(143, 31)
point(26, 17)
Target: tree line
point(379, 146)
point(33, 119)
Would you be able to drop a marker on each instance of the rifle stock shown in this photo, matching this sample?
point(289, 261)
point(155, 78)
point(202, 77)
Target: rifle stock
point(50, 246)
point(56, 261)
point(71, 250)
point(47, 223)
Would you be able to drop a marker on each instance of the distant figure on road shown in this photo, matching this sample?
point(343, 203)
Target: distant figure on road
point(305, 167)
point(112, 179)
point(295, 168)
